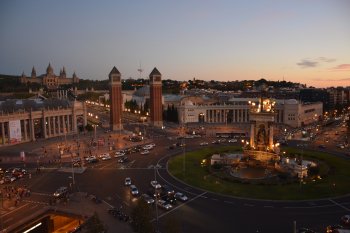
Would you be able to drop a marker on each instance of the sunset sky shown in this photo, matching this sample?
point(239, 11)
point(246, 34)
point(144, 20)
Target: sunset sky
point(301, 41)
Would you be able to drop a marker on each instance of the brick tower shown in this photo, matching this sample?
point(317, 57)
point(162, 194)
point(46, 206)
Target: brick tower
point(115, 95)
point(155, 82)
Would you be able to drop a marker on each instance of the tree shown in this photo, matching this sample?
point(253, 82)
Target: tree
point(141, 216)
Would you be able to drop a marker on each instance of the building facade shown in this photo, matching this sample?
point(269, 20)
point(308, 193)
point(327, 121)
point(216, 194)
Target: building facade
point(288, 112)
point(50, 80)
point(28, 120)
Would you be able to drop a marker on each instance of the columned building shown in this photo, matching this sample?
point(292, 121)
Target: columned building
point(115, 94)
point(27, 120)
point(236, 111)
point(156, 106)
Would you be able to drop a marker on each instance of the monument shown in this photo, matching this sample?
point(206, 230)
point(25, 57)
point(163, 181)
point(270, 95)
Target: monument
point(156, 105)
point(261, 146)
point(115, 93)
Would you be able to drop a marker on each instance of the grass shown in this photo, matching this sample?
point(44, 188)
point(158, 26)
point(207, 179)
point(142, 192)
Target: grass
point(334, 183)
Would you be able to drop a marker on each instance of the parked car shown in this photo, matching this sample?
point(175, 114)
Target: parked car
point(180, 196)
point(345, 220)
point(167, 190)
point(155, 184)
point(147, 198)
point(127, 181)
point(232, 140)
point(133, 190)
point(169, 199)
point(119, 154)
point(106, 157)
point(123, 160)
point(61, 192)
point(144, 152)
point(203, 144)
point(163, 204)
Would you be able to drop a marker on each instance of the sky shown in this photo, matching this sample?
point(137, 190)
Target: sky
point(305, 41)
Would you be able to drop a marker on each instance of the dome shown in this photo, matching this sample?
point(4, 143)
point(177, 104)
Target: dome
point(143, 91)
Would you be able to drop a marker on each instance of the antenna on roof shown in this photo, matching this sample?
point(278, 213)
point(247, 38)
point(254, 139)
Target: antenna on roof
point(140, 70)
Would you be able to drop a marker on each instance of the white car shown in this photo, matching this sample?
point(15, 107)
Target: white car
point(147, 147)
point(232, 140)
point(106, 157)
point(163, 204)
point(145, 152)
point(118, 154)
point(155, 184)
point(127, 181)
point(203, 144)
point(181, 196)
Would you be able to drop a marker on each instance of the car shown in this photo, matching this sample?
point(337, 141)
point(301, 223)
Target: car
point(322, 146)
point(305, 230)
point(334, 229)
point(119, 154)
point(127, 181)
point(167, 190)
point(123, 160)
point(106, 157)
point(222, 140)
point(232, 140)
point(133, 190)
point(203, 143)
point(61, 192)
point(345, 220)
point(169, 199)
point(215, 142)
point(147, 198)
point(163, 204)
point(155, 184)
point(103, 155)
point(180, 196)
point(145, 152)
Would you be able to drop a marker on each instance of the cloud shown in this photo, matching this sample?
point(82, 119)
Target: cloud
point(307, 63)
point(325, 59)
point(341, 67)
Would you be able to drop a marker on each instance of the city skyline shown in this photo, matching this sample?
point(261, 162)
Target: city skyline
point(297, 41)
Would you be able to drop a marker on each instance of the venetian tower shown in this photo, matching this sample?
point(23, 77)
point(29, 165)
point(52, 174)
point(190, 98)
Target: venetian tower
point(115, 93)
point(156, 106)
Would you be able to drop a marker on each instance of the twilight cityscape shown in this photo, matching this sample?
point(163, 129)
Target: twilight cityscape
point(175, 116)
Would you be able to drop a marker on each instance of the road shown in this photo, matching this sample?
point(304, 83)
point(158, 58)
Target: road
point(204, 212)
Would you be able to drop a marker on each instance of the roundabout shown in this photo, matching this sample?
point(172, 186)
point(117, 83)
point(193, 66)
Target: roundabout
point(194, 168)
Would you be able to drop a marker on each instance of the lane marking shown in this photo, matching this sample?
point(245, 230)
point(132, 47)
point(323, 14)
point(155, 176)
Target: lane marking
point(340, 205)
point(40, 194)
point(8, 220)
point(168, 212)
point(14, 210)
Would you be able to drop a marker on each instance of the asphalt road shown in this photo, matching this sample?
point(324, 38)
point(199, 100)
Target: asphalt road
point(204, 212)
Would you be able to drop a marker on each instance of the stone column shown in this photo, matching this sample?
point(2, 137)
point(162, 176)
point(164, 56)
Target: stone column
point(8, 133)
point(25, 129)
point(85, 114)
point(49, 124)
point(59, 124)
point(54, 125)
point(68, 124)
point(44, 126)
point(271, 136)
point(252, 135)
point(233, 115)
point(31, 127)
point(64, 124)
point(3, 132)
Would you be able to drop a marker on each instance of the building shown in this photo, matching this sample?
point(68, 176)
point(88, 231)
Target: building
point(156, 106)
point(292, 113)
point(49, 80)
point(27, 120)
point(116, 99)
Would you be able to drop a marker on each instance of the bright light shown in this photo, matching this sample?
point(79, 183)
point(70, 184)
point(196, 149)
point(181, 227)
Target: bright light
point(33, 227)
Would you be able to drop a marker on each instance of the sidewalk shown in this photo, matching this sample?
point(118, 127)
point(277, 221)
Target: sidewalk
point(79, 204)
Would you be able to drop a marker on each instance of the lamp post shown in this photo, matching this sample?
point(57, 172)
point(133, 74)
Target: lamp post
point(155, 192)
